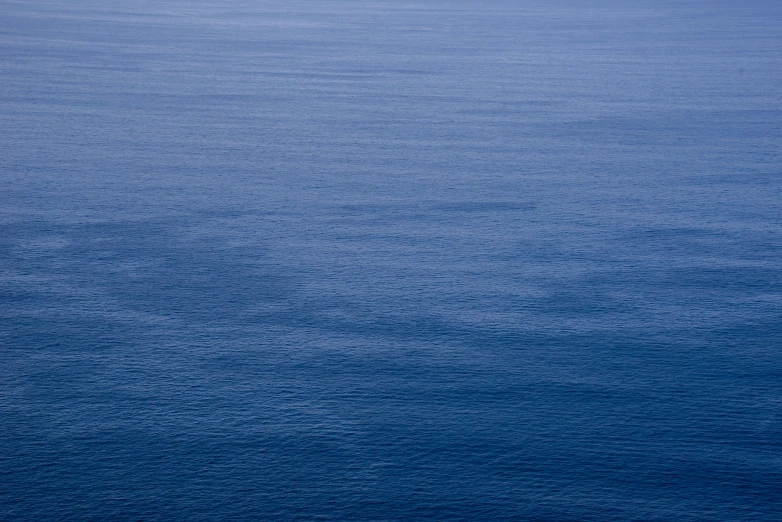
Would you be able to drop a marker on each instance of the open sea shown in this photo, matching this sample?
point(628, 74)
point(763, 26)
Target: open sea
point(390, 260)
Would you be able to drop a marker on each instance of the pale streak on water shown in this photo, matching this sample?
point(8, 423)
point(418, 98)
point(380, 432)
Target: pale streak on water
point(390, 260)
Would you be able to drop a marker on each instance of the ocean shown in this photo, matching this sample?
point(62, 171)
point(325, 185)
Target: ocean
point(390, 260)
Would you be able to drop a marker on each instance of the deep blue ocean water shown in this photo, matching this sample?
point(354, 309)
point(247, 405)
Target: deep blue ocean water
point(388, 260)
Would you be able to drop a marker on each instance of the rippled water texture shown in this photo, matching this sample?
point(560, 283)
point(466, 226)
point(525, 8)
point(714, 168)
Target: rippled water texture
point(367, 260)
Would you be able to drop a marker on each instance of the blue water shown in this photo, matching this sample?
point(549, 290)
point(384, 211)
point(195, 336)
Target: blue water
point(386, 260)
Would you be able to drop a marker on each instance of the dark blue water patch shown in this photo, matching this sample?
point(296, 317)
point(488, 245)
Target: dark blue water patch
point(149, 267)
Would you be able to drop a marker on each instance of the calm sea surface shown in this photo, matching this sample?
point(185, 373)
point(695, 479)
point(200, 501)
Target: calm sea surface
point(379, 260)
